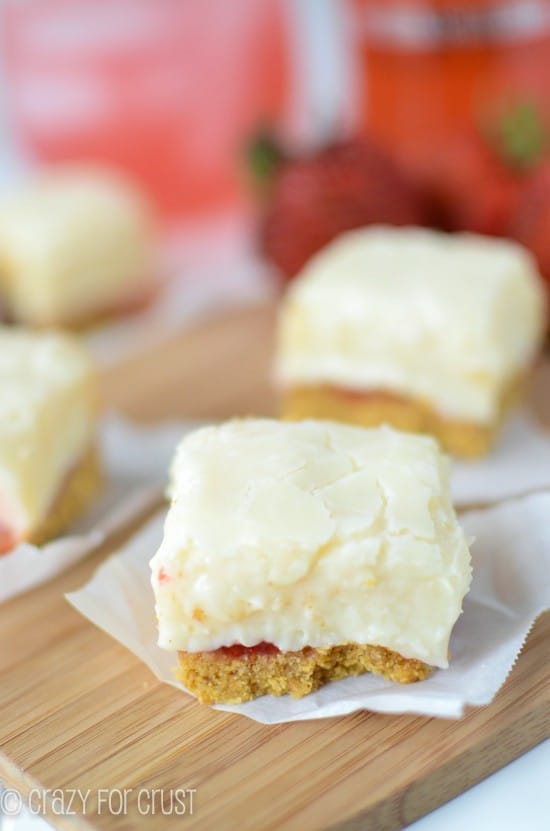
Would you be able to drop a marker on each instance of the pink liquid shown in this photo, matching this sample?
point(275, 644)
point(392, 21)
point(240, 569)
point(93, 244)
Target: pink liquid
point(168, 90)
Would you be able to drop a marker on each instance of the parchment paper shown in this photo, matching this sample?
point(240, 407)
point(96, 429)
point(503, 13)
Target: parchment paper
point(510, 588)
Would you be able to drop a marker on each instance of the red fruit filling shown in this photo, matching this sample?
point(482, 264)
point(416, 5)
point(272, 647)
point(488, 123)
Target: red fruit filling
point(162, 577)
point(8, 540)
point(240, 651)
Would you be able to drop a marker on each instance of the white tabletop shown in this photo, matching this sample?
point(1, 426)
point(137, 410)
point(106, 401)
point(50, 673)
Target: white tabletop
point(515, 798)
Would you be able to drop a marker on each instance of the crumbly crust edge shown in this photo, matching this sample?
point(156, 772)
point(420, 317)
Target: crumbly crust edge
point(375, 407)
point(216, 678)
point(77, 491)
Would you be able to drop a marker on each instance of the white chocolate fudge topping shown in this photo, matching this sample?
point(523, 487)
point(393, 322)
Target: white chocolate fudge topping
point(449, 319)
point(73, 243)
point(47, 416)
point(310, 534)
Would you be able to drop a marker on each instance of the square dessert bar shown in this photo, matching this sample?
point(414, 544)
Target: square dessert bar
point(426, 331)
point(49, 470)
point(75, 247)
point(299, 553)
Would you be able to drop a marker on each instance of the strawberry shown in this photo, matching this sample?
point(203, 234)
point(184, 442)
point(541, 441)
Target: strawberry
point(530, 223)
point(476, 179)
point(313, 198)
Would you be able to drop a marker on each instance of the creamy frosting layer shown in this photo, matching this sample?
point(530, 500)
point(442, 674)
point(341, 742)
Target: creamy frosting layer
point(47, 419)
point(310, 534)
point(73, 242)
point(450, 319)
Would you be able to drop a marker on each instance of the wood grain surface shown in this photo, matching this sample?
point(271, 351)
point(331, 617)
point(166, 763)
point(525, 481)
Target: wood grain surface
point(77, 711)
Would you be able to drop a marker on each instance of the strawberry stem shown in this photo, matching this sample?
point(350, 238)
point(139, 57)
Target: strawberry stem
point(520, 136)
point(265, 156)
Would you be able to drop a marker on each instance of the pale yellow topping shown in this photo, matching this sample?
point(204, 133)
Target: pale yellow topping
point(310, 534)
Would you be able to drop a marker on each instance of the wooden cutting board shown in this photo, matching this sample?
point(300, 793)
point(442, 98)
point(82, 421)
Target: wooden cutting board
point(77, 711)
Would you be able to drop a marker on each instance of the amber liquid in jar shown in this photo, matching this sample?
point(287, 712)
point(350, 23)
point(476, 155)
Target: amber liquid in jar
point(430, 68)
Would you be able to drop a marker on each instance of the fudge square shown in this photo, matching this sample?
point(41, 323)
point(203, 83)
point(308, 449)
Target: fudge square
point(299, 553)
point(49, 467)
point(427, 331)
point(76, 247)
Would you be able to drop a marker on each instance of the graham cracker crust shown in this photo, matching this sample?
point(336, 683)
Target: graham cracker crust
point(219, 677)
point(125, 307)
point(370, 409)
point(77, 492)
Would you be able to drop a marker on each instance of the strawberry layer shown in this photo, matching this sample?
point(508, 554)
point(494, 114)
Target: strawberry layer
point(237, 650)
point(8, 540)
